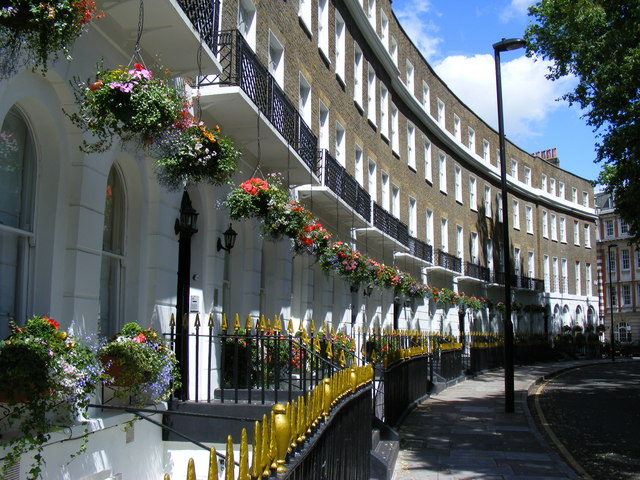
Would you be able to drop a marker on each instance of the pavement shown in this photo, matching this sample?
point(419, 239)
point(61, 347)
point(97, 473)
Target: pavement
point(464, 433)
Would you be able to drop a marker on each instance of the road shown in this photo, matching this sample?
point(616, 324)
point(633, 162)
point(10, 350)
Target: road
point(592, 416)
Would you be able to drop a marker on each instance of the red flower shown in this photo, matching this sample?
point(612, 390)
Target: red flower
point(140, 338)
point(254, 185)
point(52, 322)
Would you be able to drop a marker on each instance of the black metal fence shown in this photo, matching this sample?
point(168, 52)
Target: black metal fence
point(450, 363)
point(390, 225)
point(448, 261)
point(404, 383)
point(204, 15)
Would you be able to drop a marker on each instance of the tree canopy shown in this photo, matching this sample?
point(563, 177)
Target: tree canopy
point(598, 41)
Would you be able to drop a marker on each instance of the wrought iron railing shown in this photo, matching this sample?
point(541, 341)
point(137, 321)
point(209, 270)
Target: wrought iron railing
point(336, 177)
point(404, 383)
point(390, 225)
point(448, 261)
point(204, 15)
point(420, 249)
point(477, 271)
point(241, 67)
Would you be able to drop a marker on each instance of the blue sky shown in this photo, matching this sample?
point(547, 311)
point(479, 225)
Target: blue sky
point(456, 38)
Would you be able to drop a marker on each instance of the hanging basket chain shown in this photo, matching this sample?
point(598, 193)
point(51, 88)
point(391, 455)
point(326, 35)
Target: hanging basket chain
point(137, 55)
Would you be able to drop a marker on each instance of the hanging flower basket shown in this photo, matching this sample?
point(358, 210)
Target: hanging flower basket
point(34, 33)
point(131, 103)
point(194, 154)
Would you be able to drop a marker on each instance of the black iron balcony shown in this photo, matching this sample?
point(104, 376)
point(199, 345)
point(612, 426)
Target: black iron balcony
point(204, 15)
point(390, 225)
point(420, 249)
point(476, 271)
point(242, 68)
point(497, 277)
point(448, 261)
point(334, 176)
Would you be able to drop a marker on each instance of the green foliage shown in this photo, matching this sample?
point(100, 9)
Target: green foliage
point(130, 103)
point(34, 33)
point(598, 41)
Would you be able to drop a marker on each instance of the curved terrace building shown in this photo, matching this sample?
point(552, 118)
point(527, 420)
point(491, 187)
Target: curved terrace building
point(336, 99)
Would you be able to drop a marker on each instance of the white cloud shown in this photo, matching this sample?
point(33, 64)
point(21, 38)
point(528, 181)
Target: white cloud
point(517, 8)
point(528, 97)
point(424, 33)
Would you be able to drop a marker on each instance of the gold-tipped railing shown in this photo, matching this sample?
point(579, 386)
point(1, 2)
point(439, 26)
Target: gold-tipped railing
point(286, 428)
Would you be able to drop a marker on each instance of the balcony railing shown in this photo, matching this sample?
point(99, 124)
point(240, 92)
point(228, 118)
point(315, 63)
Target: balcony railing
point(448, 261)
point(204, 16)
point(476, 271)
point(336, 177)
point(420, 249)
point(390, 225)
point(242, 68)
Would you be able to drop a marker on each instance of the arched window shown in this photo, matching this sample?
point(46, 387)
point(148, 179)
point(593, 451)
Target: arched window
point(17, 185)
point(112, 270)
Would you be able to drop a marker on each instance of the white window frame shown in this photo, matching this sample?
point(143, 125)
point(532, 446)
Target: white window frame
point(323, 27)
point(413, 217)
point(411, 145)
point(304, 100)
point(372, 179)
point(460, 242)
point(410, 77)
point(471, 139)
point(578, 278)
point(554, 227)
point(440, 113)
point(323, 126)
point(516, 214)
point(543, 182)
point(473, 193)
point(428, 162)
point(276, 59)
point(444, 234)
point(371, 12)
point(384, 111)
point(487, 201)
point(563, 230)
point(304, 13)
point(384, 29)
point(340, 144)
point(514, 169)
point(429, 227)
point(393, 50)
point(486, 150)
point(499, 207)
point(385, 190)
point(340, 46)
point(442, 171)
point(576, 233)
point(371, 94)
point(456, 128)
point(545, 224)
point(528, 218)
point(395, 127)
point(574, 194)
point(457, 185)
point(625, 260)
point(358, 61)
point(358, 171)
point(561, 191)
point(247, 22)
point(527, 176)
point(395, 200)
point(587, 235)
point(426, 97)
point(552, 186)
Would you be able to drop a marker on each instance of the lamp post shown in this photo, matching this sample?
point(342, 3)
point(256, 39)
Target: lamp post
point(505, 45)
point(613, 342)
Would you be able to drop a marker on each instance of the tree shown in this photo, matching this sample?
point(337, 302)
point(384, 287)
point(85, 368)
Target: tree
point(598, 41)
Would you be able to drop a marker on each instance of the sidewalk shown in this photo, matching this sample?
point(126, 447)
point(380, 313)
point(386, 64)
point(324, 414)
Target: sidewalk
point(463, 433)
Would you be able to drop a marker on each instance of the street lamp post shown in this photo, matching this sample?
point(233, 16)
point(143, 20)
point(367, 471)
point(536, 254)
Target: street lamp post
point(509, 398)
point(613, 342)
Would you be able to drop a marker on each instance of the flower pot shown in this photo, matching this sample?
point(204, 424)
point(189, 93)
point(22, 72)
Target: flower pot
point(116, 369)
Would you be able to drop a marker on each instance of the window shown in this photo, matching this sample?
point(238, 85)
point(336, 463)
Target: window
point(304, 104)
point(486, 150)
point(440, 116)
point(623, 332)
point(473, 248)
point(371, 94)
point(323, 27)
point(276, 59)
point(487, 201)
point(357, 74)
point(587, 235)
point(429, 227)
point(340, 47)
point(556, 277)
point(17, 183)
point(246, 22)
point(444, 234)
point(585, 199)
point(458, 184)
point(413, 217)
point(384, 30)
point(613, 295)
point(111, 271)
point(552, 186)
point(456, 127)
point(471, 139)
point(543, 182)
point(587, 280)
point(384, 109)
point(499, 204)
point(527, 176)
point(514, 169)
point(489, 254)
point(528, 218)
point(385, 190)
point(554, 228)
point(625, 259)
point(394, 129)
point(576, 233)
point(637, 259)
point(611, 261)
point(373, 181)
point(516, 215)
point(578, 280)
point(563, 230)
point(358, 170)
point(426, 97)
point(517, 261)
point(304, 12)
point(371, 12)
point(410, 78)
point(545, 224)
point(498, 159)
point(545, 271)
point(473, 201)
point(442, 159)
point(340, 146)
point(531, 265)
point(561, 190)
point(428, 174)
point(411, 150)
point(626, 294)
point(459, 242)
point(393, 51)
point(323, 129)
point(395, 201)
point(608, 228)
point(624, 227)
point(574, 195)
